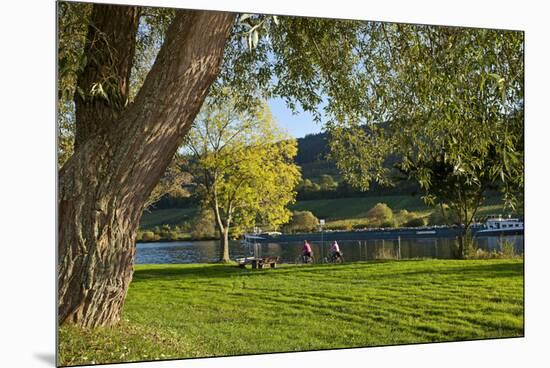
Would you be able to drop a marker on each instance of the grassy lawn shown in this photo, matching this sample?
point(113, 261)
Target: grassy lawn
point(179, 311)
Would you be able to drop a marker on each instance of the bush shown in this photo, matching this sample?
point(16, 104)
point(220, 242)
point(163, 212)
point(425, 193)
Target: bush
point(483, 254)
point(403, 217)
point(344, 226)
point(404, 214)
point(471, 249)
point(506, 252)
point(203, 226)
point(149, 236)
point(388, 223)
point(384, 253)
point(380, 212)
point(302, 221)
point(443, 217)
point(172, 235)
point(327, 183)
point(415, 222)
point(507, 249)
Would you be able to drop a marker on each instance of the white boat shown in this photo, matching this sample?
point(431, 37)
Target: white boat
point(250, 239)
point(501, 225)
point(422, 232)
point(251, 242)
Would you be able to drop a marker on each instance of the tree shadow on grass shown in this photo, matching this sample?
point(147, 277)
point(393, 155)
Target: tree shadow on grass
point(223, 271)
point(171, 272)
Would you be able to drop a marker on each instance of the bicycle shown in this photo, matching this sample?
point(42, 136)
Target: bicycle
point(335, 258)
point(305, 259)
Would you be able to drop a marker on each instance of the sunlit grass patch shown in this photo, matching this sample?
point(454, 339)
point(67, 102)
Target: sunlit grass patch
point(179, 311)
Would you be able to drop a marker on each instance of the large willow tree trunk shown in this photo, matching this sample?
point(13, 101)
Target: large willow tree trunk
point(122, 151)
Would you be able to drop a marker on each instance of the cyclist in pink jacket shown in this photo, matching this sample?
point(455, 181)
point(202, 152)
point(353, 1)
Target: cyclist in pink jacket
point(335, 250)
point(307, 252)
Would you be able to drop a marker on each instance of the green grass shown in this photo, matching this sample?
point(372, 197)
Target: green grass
point(179, 311)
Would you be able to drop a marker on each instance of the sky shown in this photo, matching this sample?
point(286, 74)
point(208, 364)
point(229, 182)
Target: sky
point(297, 125)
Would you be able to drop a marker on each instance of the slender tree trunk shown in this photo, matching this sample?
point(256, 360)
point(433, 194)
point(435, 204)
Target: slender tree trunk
point(224, 245)
point(104, 185)
point(223, 231)
point(223, 227)
point(461, 245)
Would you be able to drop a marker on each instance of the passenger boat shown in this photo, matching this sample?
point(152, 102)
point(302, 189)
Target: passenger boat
point(500, 225)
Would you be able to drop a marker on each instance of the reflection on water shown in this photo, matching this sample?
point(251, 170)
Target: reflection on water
point(354, 250)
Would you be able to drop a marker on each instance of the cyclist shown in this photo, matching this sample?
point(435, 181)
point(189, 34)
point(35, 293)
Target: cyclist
point(335, 251)
point(307, 252)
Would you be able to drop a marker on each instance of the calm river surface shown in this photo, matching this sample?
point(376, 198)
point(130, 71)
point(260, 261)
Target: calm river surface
point(354, 250)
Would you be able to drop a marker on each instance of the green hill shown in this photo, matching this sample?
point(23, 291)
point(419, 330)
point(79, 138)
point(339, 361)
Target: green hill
point(168, 216)
point(332, 210)
point(351, 208)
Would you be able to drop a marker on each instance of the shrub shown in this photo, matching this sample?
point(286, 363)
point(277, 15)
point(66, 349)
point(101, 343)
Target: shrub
point(302, 221)
point(327, 183)
point(507, 249)
point(506, 252)
point(149, 236)
point(470, 247)
point(380, 212)
point(172, 235)
point(443, 217)
point(388, 223)
point(483, 254)
point(416, 222)
point(405, 215)
point(341, 226)
point(384, 253)
point(203, 225)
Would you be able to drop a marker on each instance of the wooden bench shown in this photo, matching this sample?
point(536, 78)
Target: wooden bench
point(258, 262)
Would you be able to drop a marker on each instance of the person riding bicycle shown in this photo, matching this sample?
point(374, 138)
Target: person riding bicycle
point(335, 250)
point(307, 252)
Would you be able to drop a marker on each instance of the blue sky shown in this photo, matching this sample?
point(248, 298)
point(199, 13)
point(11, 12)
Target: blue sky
point(296, 125)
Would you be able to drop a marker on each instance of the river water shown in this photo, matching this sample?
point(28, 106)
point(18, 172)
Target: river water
point(353, 250)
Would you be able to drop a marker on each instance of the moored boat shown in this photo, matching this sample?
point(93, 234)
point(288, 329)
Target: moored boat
point(500, 225)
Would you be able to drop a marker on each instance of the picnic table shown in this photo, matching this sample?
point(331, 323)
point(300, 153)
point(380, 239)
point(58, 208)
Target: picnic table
point(258, 262)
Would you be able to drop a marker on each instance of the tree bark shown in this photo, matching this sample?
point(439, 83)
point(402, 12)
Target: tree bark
point(461, 245)
point(104, 185)
point(109, 51)
point(223, 229)
point(224, 245)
